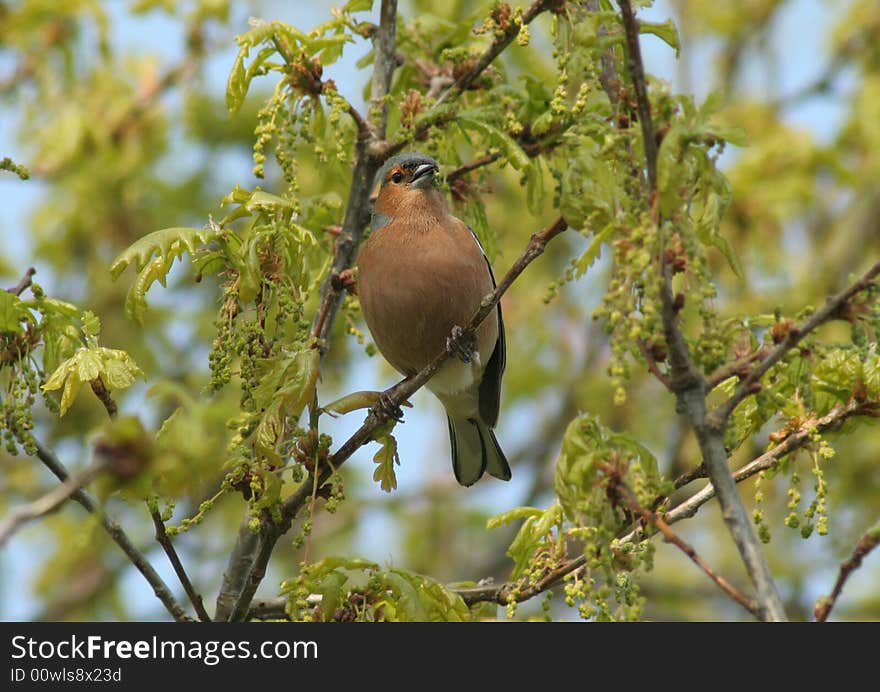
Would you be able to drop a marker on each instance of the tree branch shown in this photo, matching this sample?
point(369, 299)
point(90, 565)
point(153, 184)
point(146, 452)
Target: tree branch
point(689, 386)
point(164, 540)
point(637, 75)
point(797, 439)
point(833, 309)
point(51, 501)
point(384, 41)
point(618, 488)
point(237, 570)
point(502, 40)
point(269, 609)
point(115, 531)
point(739, 367)
point(26, 281)
point(867, 543)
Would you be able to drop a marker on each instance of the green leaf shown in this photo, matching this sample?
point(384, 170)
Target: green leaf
point(665, 31)
point(91, 324)
point(591, 254)
point(237, 84)
point(166, 243)
point(386, 458)
point(358, 6)
point(88, 365)
point(332, 591)
point(119, 372)
point(71, 388)
point(266, 200)
point(57, 378)
point(512, 515)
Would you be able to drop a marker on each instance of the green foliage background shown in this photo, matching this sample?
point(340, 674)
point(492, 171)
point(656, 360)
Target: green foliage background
point(196, 227)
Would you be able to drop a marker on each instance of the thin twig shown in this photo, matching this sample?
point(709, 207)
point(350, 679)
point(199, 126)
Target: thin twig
point(26, 281)
point(164, 540)
point(115, 531)
point(618, 488)
point(867, 543)
point(739, 367)
point(608, 76)
point(833, 309)
point(689, 386)
point(501, 41)
point(51, 501)
point(655, 370)
point(465, 168)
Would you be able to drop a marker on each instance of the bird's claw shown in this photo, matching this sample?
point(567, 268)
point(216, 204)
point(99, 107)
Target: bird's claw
point(389, 409)
point(457, 345)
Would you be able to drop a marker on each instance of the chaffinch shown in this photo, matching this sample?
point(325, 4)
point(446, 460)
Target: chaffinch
point(421, 274)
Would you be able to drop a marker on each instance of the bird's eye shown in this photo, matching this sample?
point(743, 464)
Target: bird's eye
point(397, 177)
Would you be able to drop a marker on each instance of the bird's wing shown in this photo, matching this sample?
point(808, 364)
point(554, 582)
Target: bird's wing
point(490, 386)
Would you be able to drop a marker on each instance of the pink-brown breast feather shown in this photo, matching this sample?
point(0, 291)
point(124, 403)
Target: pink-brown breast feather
point(415, 284)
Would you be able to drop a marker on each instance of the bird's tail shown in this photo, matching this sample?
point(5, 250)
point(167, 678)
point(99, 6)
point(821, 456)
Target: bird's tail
point(475, 450)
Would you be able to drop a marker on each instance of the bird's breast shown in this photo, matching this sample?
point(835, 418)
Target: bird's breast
point(414, 287)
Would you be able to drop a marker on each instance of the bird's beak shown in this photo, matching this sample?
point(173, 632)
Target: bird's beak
point(423, 176)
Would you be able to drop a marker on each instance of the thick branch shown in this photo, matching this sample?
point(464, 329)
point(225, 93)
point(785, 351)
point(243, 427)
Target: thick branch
point(115, 531)
point(866, 544)
point(385, 62)
point(688, 385)
point(833, 309)
point(237, 570)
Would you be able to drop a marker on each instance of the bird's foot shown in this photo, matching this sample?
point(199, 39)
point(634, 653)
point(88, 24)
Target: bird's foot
point(344, 281)
point(459, 345)
point(388, 409)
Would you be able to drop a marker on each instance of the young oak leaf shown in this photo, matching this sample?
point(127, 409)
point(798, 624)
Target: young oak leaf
point(386, 457)
point(116, 370)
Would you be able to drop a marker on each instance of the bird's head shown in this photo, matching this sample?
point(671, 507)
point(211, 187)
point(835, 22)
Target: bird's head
point(407, 183)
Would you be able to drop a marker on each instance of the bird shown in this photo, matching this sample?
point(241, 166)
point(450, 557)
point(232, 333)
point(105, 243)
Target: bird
point(421, 275)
